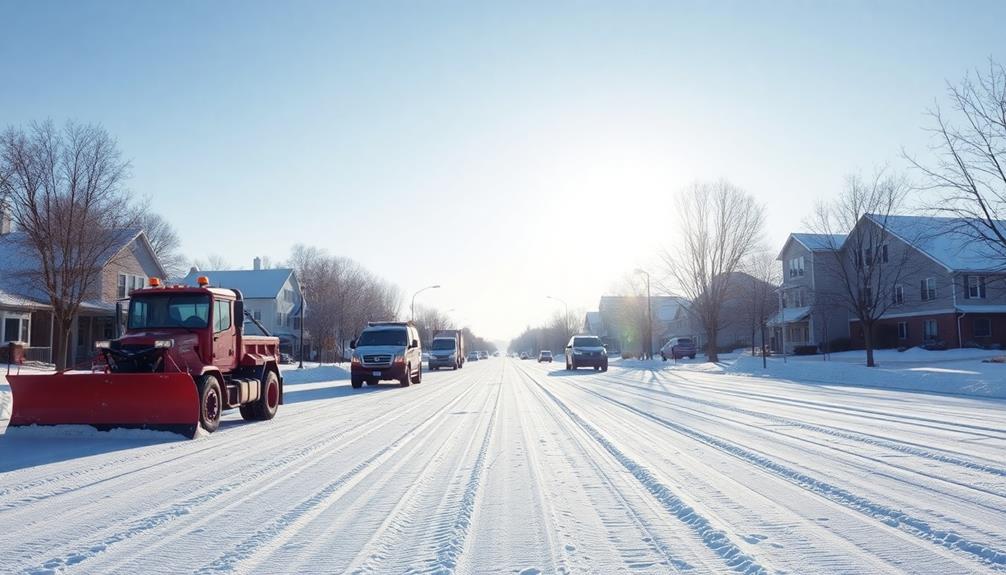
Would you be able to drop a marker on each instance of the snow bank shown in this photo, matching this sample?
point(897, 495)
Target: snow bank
point(314, 373)
point(961, 373)
point(88, 432)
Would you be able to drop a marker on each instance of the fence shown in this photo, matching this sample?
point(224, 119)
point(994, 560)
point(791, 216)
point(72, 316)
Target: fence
point(40, 354)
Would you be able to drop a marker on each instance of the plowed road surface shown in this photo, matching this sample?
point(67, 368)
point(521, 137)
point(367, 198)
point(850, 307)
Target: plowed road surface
point(509, 466)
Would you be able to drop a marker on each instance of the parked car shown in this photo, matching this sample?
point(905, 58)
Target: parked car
point(286, 358)
point(387, 350)
point(677, 348)
point(473, 356)
point(545, 355)
point(586, 351)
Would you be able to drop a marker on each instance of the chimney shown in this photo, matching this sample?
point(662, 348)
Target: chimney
point(194, 269)
point(257, 263)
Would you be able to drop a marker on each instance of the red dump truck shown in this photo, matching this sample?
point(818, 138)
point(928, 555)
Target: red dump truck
point(183, 360)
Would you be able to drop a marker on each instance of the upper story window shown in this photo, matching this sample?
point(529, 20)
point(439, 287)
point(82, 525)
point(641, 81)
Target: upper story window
point(898, 296)
point(975, 287)
point(928, 289)
point(127, 283)
point(288, 295)
point(796, 267)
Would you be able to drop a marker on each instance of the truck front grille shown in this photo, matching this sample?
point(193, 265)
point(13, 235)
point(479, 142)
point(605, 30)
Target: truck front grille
point(377, 359)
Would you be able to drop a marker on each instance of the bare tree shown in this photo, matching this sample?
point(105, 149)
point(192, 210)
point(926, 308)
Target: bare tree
point(867, 266)
point(969, 168)
point(719, 226)
point(756, 293)
point(164, 240)
point(65, 191)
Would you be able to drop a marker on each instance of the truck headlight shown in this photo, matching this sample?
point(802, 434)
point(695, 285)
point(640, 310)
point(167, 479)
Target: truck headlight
point(102, 344)
point(399, 359)
point(164, 343)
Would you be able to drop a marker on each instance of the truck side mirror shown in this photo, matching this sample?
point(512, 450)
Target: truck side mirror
point(239, 315)
point(352, 344)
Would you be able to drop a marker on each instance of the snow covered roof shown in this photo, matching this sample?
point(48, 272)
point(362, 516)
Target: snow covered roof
point(944, 240)
point(254, 284)
point(790, 315)
point(819, 242)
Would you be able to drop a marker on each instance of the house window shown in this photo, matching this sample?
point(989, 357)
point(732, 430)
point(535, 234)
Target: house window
point(883, 254)
point(928, 289)
point(257, 314)
point(796, 268)
point(127, 283)
point(930, 329)
point(902, 330)
point(976, 287)
point(982, 327)
point(121, 290)
point(279, 319)
point(11, 329)
point(899, 295)
point(868, 296)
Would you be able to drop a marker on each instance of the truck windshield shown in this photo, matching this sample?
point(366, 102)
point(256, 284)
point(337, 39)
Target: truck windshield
point(382, 337)
point(181, 310)
point(443, 344)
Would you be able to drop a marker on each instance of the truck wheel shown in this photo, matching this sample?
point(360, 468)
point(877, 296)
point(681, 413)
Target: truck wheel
point(419, 375)
point(404, 382)
point(357, 383)
point(210, 402)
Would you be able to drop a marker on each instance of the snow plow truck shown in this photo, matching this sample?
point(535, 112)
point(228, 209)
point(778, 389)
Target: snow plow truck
point(181, 361)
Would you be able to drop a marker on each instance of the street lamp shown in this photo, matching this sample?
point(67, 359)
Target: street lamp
point(565, 318)
point(649, 314)
point(413, 307)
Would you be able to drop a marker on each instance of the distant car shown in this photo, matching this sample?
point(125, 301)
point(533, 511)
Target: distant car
point(586, 351)
point(473, 356)
point(677, 348)
point(483, 355)
point(286, 358)
point(545, 356)
point(426, 356)
point(523, 355)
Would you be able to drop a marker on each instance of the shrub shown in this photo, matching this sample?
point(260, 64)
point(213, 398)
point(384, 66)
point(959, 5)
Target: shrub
point(805, 350)
point(626, 355)
point(840, 344)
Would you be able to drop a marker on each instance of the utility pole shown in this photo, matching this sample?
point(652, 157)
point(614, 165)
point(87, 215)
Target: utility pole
point(649, 315)
point(303, 310)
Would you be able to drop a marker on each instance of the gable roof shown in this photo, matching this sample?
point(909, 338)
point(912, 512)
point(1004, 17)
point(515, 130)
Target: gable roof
point(254, 284)
point(813, 242)
point(943, 240)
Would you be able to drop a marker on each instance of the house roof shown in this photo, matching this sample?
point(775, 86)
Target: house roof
point(814, 242)
point(254, 284)
point(789, 315)
point(944, 240)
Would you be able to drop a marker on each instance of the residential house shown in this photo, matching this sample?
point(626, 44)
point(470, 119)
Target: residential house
point(812, 313)
point(949, 290)
point(272, 296)
point(738, 326)
point(25, 310)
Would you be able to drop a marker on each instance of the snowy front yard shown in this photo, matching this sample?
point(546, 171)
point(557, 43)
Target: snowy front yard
point(518, 467)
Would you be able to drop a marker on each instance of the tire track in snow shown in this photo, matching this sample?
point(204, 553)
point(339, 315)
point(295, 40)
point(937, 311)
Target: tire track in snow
point(397, 523)
point(272, 535)
point(651, 539)
point(232, 483)
point(715, 539)
point(942, 478)
point(862, 437)
point(892, 517)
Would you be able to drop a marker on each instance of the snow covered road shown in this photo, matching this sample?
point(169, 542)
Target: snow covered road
point(509, 466)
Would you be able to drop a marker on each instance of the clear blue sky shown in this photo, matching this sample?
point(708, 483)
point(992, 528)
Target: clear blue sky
point(506, 151)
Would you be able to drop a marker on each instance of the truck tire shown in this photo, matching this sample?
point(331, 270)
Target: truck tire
point(419, 375)
point(265, 408)
point(407, 378)
point(210, 402)
point(356, 382)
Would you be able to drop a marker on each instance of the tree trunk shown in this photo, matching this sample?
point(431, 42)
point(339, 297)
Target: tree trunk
point(61, 342)
point(868, 341)
point(711, 353)
point(764, 359)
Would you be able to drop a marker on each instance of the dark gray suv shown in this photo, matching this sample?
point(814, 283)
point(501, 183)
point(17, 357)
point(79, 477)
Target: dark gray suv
point(586, 351)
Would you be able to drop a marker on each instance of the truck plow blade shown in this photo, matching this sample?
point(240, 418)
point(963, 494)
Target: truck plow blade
point(160, 401)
